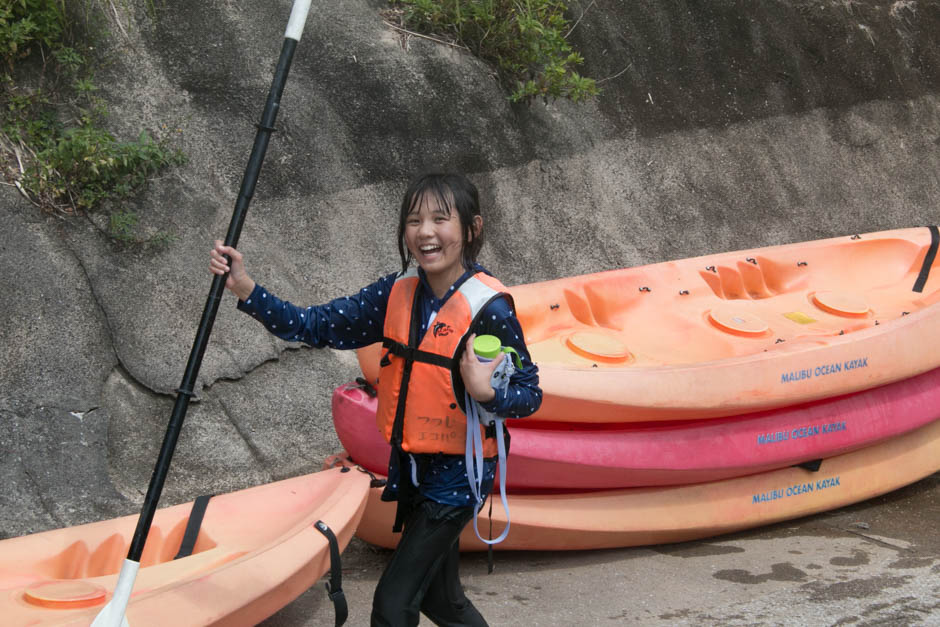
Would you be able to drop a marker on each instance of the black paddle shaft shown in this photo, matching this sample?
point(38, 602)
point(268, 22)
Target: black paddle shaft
point(185, 391)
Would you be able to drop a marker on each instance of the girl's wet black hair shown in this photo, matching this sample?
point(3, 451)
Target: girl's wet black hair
point(452, 192)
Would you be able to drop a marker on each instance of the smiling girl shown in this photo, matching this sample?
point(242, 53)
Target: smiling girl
point(426, 317)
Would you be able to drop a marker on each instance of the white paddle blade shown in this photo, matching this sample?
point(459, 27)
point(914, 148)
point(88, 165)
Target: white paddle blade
point(298, 17)
point(112, 615)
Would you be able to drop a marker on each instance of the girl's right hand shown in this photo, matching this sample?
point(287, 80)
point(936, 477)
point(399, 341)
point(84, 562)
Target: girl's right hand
point(238, 280)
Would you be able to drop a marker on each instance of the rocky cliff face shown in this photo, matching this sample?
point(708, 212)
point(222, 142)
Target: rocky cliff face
point(722, 125)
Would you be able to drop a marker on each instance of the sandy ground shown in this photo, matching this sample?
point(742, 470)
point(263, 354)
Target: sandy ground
point(874, 563)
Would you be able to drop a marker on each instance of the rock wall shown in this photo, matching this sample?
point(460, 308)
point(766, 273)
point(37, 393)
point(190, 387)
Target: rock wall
point(722, 125)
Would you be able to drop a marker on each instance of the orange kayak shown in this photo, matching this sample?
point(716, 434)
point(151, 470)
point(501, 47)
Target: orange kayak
point(643, 516)
point(732, 333)
point(256, 551)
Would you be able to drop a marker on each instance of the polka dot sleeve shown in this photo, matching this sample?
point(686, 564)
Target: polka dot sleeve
point(343, 323)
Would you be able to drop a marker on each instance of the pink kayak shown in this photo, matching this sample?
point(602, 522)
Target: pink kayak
point(582, 456)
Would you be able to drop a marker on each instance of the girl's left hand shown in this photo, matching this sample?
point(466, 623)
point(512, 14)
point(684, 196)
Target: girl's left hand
point(476, 374)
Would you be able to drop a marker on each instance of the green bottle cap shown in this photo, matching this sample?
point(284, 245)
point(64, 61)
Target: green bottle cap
point(487, 346)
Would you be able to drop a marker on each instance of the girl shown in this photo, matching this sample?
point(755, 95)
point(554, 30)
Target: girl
point(427, 318)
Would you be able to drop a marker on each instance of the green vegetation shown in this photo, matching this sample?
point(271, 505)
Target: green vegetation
point(54, 146)
point(524, 39)
point(25, 22)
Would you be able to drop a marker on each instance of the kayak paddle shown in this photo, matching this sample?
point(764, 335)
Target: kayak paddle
point(112, 615)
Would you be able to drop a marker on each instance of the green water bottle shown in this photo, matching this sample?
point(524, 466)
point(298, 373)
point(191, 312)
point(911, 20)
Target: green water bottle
point(488, 348)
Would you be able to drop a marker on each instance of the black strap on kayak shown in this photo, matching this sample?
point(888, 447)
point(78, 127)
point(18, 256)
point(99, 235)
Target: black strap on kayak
point(366, 387)
point(375, 483)
point(192, 526)
point(334, 588)
point(812, 465)
point(928, 259)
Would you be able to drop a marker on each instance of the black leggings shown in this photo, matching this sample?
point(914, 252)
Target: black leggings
point(423, 573)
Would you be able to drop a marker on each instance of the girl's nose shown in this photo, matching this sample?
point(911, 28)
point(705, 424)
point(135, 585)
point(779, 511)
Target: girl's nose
point(426, 227)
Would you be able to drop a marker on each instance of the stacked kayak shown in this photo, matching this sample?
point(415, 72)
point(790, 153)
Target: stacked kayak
point(673, 453)
point(694, 393)
point(733, 333)
point(255, 551)
point(641, 516)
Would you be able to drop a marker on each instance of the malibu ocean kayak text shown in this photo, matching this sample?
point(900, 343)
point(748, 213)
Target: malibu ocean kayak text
point(824, 369)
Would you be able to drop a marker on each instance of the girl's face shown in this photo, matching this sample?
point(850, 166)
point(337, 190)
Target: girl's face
point(434, 237)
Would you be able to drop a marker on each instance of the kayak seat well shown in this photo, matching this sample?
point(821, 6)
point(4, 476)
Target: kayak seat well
point(855, 265)
point(79, 560)
point(754, 279)
point(604, 303)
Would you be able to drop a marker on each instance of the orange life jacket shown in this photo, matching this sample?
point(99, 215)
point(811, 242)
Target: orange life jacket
point(421, 395)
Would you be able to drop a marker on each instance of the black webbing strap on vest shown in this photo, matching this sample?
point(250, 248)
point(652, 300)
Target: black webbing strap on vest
point(412, 355)
point(928, 259)
point(334, 588)
point(192, 526)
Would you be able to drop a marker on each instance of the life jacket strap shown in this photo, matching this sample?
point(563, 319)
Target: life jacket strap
point(477, 417)
point(474, 462)
point(412, 354)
